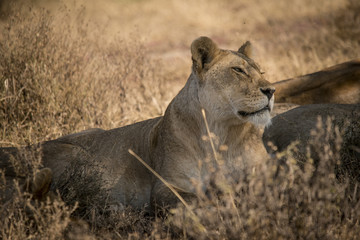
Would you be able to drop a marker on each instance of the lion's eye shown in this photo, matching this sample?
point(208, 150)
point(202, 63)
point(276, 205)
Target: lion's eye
point(239, 70)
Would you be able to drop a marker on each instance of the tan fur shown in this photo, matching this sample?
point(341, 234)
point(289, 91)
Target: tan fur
point(336, 84)
point(299, 124)
point(39, 186)
point(227, 84)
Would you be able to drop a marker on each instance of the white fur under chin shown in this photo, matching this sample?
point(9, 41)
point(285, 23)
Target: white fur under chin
point(261, 119)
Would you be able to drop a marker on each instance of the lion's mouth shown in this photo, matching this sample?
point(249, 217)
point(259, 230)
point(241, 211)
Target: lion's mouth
point(246, 114)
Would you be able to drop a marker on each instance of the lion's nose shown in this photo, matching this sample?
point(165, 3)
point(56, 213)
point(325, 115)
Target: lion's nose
point(268, 92)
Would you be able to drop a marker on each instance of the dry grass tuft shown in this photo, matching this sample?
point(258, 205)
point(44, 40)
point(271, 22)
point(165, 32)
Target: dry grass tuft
point(348, 20)
point(23, 218)
point(59, 75)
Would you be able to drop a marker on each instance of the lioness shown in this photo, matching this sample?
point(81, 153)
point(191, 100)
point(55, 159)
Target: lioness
point(315, 128)
point(339, 84)
point(336, 84)
point(237, 101)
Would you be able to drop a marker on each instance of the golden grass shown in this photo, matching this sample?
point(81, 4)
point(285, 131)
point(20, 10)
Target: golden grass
point(71, 67)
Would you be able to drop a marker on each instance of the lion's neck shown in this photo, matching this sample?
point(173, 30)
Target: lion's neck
point(237, 142)
point(240, 139)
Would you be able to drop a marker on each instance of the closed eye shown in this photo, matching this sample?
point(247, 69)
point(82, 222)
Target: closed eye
point(239, 70)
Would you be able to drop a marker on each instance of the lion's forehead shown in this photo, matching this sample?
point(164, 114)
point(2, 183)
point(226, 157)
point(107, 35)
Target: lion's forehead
point(236, 59)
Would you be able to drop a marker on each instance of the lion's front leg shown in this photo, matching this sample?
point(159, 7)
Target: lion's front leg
point(167, 197)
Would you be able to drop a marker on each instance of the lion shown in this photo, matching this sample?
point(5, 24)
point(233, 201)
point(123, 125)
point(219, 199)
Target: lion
point(339, 84)
point(316, 128)
point(236, 99)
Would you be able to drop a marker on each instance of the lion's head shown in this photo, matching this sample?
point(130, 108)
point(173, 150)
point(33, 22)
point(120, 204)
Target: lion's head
point(231, 85)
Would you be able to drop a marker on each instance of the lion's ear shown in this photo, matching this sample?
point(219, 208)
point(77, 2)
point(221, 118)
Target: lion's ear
point(203, 51)
point(40, 185)
point(246, 49)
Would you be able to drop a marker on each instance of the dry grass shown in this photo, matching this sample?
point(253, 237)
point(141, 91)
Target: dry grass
point(70, 78)
point(67, 68)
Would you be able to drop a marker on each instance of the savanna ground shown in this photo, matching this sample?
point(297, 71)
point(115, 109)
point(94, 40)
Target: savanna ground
point(69, 66)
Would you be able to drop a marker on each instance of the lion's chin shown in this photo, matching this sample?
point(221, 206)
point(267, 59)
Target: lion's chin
point(262, 118)
point(247, 114)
